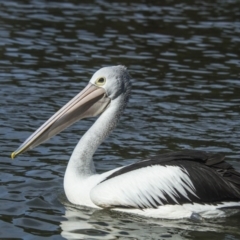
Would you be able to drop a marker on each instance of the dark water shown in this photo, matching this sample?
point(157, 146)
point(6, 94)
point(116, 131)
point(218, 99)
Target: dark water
point(184, 59)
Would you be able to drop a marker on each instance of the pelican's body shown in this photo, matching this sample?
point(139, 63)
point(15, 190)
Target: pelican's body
point(173, 185)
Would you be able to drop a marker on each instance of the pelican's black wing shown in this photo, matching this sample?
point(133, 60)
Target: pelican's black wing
point(189, 176)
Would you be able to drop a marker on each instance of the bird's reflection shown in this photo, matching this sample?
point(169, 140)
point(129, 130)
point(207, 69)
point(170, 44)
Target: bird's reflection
point(88, 223)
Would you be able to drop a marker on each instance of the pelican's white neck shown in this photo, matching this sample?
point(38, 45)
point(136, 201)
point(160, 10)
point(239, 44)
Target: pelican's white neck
point(80, 164)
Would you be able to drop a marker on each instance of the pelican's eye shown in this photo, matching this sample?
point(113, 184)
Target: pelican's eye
point(100, 82)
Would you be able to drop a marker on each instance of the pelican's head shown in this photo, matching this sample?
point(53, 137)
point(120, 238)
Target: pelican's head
point(114, 80)
point(106, 85)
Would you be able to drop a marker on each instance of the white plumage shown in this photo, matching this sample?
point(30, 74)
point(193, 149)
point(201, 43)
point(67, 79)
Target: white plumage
point(143, 188)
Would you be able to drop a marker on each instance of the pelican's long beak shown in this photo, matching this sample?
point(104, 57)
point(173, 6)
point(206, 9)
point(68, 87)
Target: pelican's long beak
point(91, 101)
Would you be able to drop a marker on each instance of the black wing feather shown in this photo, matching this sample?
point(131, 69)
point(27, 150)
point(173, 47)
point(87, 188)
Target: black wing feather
point(214, 179)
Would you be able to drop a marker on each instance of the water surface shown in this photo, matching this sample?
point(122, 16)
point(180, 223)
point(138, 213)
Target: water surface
point(184, 61)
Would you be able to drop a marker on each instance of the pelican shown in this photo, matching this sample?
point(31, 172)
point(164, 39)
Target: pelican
point(171, 185)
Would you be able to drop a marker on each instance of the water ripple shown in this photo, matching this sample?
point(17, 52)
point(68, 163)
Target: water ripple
point(184, 61)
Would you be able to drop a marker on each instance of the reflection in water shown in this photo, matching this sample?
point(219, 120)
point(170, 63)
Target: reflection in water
point(105, 224)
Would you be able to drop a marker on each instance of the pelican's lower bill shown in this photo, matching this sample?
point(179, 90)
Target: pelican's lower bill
point(171, 185)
